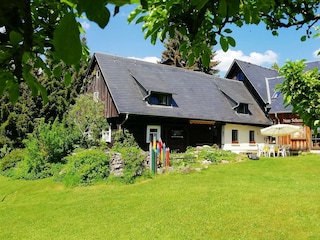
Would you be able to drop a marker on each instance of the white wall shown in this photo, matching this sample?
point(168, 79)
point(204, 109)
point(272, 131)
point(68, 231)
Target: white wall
point(243, 144)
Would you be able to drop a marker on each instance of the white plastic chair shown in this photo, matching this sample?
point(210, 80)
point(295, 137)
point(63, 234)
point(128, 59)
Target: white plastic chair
point(271, 151)
point(261, 150)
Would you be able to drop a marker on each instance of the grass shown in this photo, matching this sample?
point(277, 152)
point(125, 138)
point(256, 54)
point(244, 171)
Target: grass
point(273, 198)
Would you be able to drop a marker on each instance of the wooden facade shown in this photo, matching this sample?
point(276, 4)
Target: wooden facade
point(300, 141)
point(98, 85)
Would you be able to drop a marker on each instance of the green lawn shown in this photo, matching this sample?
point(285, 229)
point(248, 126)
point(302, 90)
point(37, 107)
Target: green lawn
point(273, 198)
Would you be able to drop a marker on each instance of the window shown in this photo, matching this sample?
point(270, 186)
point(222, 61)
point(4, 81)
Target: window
point(106, 135)
point(234, 136)
point(177, 133)
point(95, 96)
point(153, 132)
point(243, 108)
point(163, 99)
point(275, 95)
point(251, 136)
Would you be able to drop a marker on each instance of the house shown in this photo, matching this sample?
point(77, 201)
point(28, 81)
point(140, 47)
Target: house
point(262, 83)
point(182, 107)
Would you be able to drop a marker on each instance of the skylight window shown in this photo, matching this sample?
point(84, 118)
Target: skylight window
point(275, 95)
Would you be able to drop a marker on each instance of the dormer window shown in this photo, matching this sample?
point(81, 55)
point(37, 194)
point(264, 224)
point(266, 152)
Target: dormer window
point(243, 108)
point(163, 99)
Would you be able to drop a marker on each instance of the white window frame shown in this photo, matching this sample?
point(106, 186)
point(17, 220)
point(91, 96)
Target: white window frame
point(151, 131)
point(106, 135)
point(95, 96)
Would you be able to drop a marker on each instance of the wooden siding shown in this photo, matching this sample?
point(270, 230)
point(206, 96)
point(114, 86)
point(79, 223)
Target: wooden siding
point(297, 144)
point(98, 85)
point(192, 134)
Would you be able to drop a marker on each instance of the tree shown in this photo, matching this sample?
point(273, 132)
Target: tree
point(301, 90)
point(275, 66)
point(29, 28)
point(18, 119)
point(87, 116)
point(205, 22)
point(172, 56)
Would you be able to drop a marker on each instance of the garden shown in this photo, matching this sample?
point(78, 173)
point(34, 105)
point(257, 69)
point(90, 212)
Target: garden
point(273, 198)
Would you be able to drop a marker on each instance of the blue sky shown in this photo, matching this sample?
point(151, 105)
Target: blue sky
point(254, 43)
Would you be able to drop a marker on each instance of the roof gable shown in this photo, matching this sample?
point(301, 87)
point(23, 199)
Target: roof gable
point(255, 74)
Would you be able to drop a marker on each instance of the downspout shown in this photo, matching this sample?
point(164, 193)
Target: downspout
point(123, 122)
point(276, 116)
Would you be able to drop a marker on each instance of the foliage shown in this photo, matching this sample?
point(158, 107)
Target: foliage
point(131, 154)
point(301, 90)
point(205, 23)
point(29, 28)
point(85, 167)
point(46, 146)
point(195, 155)
point(5, 150)
point(87, 117)
point(172, 56)
point(9, 162)
point(123, 138)
point(16, 120)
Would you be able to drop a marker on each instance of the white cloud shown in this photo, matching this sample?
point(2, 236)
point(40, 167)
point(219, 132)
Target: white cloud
point(226, 58)
point(85, 25)
point(315, 53)
point(148, 59)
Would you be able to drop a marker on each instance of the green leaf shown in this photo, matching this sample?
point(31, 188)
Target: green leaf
point(224, 43)
point(66, 40)
point(191, 59)
point(303, 38)
point(67, 78)
point(13, 90)
point(97, 12)
point(15, 38)
point(231, 41)
point(228, 30)
point(223, 8)
point(199, 4)
point(233, 7)
point(206, 59)
point(144, 4)
point(57, 71)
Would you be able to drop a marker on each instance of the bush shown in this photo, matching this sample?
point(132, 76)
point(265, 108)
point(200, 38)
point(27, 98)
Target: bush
point(131, 154)
point(46, 146)
point(9, 162)
point(133, 158)
point(85, 167)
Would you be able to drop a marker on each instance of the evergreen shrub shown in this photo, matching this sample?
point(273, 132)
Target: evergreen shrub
point(9, 162)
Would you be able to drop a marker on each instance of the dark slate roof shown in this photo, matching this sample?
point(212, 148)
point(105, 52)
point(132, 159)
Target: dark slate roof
point(275, 97)
point(256, 75)
point(264, 81)
point(312, 65)
point(196, 95)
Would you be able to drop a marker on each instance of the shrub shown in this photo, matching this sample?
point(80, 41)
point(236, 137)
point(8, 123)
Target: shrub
point(85, 167)
point(132, 155)
point(133, 158)
point(9, 162)
point(46, 146)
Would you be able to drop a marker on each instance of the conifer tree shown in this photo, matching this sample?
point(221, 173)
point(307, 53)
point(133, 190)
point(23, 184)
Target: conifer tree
point(173, 56)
